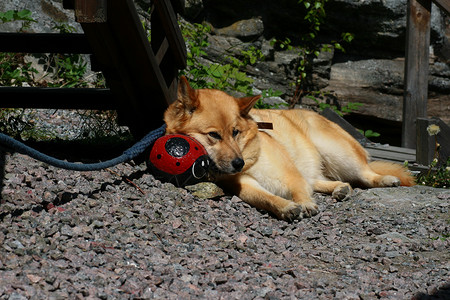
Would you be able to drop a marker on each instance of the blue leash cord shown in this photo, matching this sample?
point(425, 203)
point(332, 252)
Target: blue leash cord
point(127, 155)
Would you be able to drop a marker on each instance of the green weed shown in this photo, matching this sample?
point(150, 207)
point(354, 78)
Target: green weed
point(14, 71)
point(315, 17)
point(437, 175)
point(15, 15)
point(369, 133)
point(228, 75)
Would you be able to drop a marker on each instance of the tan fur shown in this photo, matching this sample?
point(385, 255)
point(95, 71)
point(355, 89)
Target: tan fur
point(303, 153)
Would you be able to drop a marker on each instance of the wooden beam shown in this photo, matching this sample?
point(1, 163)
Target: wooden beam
point(168, 20)
point(416, 68)
point(391, 153)
point(44, 43)
point(334, 117)
point(444, 5)
point(90, 11)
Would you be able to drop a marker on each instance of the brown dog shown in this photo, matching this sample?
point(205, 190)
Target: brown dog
point(276, 170)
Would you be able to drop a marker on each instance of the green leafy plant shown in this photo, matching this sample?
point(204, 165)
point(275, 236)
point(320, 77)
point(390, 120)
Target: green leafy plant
point(369, 133)
point(319, 98)
point(315, 16)
point(442, 237)
point(282, 44)
point(66, 70)
point(14, 71)
point(251, 56)
point(15, 15)
point(436, 176)
point(269, 93)
point(226, 76)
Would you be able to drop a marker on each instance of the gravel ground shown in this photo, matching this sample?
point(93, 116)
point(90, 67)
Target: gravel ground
point(121, 234)
point(94, 235)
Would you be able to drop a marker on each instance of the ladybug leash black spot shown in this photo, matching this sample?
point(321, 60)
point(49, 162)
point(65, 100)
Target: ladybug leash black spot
point(178, 159)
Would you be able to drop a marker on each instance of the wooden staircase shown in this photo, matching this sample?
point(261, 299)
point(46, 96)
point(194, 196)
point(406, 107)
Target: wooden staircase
point(141, 76)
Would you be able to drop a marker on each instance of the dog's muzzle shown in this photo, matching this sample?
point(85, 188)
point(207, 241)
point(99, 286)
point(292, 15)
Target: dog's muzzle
point(235, 166)
point(238, 164)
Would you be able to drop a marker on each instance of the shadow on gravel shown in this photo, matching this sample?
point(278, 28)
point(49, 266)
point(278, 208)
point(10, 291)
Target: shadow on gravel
point(2, 169)
point(442, 293)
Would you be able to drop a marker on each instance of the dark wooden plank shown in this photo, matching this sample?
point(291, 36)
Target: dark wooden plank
point(391, 153)
point(416, 68)
point(443, 138)
point(90, 11)
point(377, 152)
point(444, 5)
point(162, 51)
point(44, 43)
point(392, 148)
point(426, 143)
point(334, 117)
point(169, 22)
point(385, 154)
point(57, 98)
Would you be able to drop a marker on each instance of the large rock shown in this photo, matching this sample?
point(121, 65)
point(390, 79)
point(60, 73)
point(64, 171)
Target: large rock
point(244, 29)
point(378, 84)
point(371, 70)
point(379, 26)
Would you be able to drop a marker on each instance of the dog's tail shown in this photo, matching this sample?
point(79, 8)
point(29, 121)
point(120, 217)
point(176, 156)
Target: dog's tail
point(394, 169)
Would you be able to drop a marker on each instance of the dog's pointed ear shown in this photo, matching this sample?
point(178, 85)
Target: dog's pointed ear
point(246, 104)
point(187, 96)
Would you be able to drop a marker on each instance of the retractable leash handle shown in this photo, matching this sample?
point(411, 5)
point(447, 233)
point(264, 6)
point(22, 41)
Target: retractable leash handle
point(127, 155)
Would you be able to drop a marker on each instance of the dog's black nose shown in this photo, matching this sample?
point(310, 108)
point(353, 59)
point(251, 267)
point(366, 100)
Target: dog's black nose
point(238, 164)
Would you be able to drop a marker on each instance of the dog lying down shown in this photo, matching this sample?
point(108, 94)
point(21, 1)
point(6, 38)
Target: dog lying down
point(276, 169)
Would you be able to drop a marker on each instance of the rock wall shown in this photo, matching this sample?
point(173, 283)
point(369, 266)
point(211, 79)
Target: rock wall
point(371, 70)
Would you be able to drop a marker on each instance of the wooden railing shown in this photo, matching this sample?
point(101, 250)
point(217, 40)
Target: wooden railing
point(141, 75)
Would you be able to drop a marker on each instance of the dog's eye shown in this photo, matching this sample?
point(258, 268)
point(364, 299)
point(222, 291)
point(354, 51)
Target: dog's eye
point(215, 134)
point(235, 132)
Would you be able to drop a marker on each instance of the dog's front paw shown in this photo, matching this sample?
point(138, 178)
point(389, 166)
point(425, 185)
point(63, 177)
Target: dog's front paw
point(342, 192)
point(295, 211)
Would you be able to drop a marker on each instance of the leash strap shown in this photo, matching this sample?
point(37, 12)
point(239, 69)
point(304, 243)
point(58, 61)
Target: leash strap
point(127, 155)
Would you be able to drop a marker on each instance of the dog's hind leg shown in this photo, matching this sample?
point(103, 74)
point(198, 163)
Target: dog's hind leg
point(371, 179)
point(341, 191)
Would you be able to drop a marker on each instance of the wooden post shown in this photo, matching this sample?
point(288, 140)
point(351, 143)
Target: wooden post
point(90, 11)
point(416, 68)
point(425, 143)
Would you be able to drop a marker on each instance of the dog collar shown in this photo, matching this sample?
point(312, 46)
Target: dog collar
point(264, 125)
